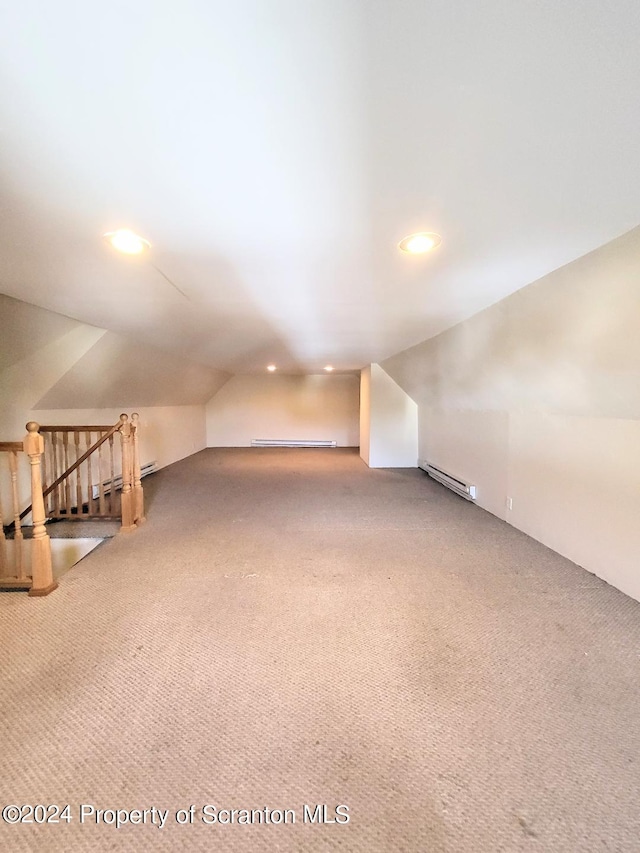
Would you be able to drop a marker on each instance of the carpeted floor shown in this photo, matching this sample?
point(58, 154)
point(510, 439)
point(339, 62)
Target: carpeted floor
point(292, 628)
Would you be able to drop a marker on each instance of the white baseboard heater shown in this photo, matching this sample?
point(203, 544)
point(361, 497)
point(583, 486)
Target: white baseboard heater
point(284, 442)
point(465, 490)
point(149, 468)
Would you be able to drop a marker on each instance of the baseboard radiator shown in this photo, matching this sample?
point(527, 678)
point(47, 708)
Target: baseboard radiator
point(283, 442)
point(465, 490)
point(116, 483)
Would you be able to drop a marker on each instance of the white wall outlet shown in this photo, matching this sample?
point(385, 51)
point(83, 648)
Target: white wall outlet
point(509, 503)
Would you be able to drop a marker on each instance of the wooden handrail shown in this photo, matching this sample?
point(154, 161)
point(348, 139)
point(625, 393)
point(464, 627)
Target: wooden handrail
point(110, 431)
point(80, 428)
point(11, 447)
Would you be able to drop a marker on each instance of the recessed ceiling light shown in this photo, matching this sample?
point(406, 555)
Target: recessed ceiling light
point(271, 368)
point(418, 244)
point(328, 368)
point(126, 241)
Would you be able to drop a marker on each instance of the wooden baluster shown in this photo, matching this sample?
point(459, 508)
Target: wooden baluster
point(120, 469)
point(112, 488)
point(67, 481)
point(18, 551)
point(79, 501)
point(52, 473)
point(42, 582)
point(102, 509)
point(138, 493)
point(60, 470)
point(89, 479)
point(49, 475)
point(127, 493)
point(63, 466)
point(118, 509)
point(55, 475)
point(46, 464)
point(4, 563)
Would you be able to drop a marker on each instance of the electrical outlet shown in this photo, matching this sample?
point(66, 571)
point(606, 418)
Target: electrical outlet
point(509, 503)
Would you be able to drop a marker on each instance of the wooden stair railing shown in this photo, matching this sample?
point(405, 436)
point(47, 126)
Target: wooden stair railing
point(57, 454)
point(107, 487)
point(62, 497)
point(15, 576)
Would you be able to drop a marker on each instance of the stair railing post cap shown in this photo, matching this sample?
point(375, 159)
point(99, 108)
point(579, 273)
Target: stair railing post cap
point(33, 426)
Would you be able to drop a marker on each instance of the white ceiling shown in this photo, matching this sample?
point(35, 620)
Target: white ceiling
point(275, 151)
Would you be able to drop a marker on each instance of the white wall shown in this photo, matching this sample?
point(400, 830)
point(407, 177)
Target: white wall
point(576, 487)
point(537, 399)
point(284, 406)
point(388, 422)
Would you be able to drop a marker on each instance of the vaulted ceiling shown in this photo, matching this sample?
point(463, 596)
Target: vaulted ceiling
point(275, 151)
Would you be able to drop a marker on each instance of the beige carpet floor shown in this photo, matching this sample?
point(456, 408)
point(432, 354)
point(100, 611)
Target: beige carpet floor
point(291, 628)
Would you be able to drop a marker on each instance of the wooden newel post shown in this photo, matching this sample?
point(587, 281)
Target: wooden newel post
point(138, 494)
point(42, 582)
point(127, 492)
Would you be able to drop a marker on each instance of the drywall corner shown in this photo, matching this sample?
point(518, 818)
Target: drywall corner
point(388, 422)
point(365, 413)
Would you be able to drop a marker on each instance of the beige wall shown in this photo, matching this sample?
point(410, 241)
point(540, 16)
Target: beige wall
point(388, 422)
point(472, 446)
point(284, 407)
point(537, 399)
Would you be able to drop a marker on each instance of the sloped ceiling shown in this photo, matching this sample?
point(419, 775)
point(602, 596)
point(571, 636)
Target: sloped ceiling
point(275, 152)
point(566, 344)
point(24, 328)
point(117, 372)
point(51, 362)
